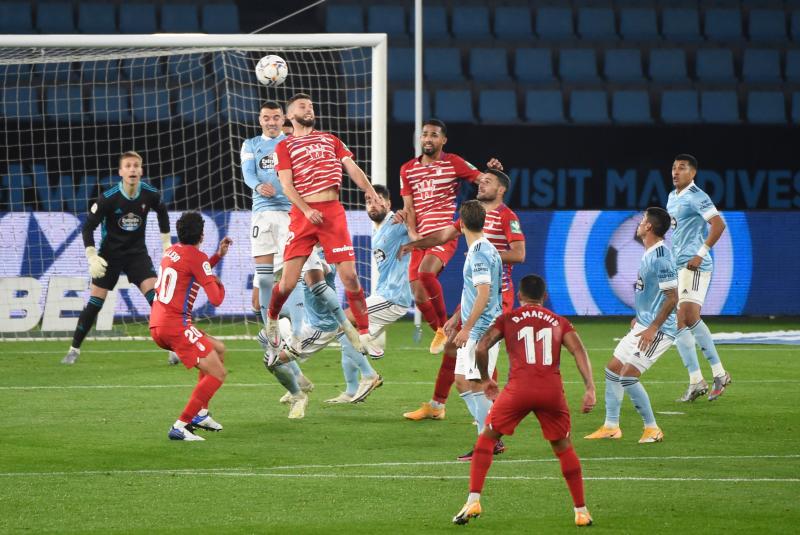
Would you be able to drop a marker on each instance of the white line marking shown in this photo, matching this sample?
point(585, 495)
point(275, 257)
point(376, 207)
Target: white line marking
point(671, 413)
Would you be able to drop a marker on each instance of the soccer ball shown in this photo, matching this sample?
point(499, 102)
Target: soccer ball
point(271, 70)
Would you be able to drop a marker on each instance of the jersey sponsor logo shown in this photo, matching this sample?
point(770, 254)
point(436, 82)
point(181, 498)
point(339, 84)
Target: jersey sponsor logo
point(379, 255)
point(130, 222)
point(267, 163)
point(207, 268)
point(674, 223)
point(343, 249)
point(515, 227)
point(639, 284)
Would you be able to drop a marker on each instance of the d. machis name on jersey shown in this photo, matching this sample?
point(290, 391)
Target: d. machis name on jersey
point(536, 314)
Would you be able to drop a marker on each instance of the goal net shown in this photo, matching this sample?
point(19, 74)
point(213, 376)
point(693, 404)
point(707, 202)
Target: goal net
point(70, 105)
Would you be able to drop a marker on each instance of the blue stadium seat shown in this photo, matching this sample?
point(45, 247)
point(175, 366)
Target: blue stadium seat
point(719, 107)
point(796, 107)
point(236, 66)
point(766, 107)
point(48, 197)
point(512, 23)
point(680, 107)
point(358, 104)
point(197, 104)
point(761, 66)
point(400, 64)
point(723, 25)
point(498, 106)
point(53, 72)
point(179, 18)
point(16, 73)
point(138, 69)
point(137, 18)
point(150, 103)
point(793, 66)
point(588, 107)
point(16, 17)
point(624, 65)
point(715, 65)
point(103, 71)
point(578, 65)
point(55, 17)
point(20, 103)
point(554, 23)
point(534, 66)
point(631, 107)
point(17, 182)
point(681, 24)
point(403, 105)
point(638, 24)
point(597, 24)
point(434, 24)
point(390, 20)
point(489, 65)
point(668, 66)
point(240, 103)
point(471, 23)
point(344, 19)
point(454, 105)
point(355, 64)
point(443, 65)
point(111, 103)
point(96, 18)
point(767, 26)
point(544, 107)
point(220, 18)
point(795, 30)
point(64, 103)
point(186, 69)
point(169, 184)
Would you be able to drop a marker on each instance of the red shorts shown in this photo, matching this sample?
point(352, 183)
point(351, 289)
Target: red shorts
point(333, 234)
point(548, 404)
point(442, 252)
point(508, 298)
point(189, 343)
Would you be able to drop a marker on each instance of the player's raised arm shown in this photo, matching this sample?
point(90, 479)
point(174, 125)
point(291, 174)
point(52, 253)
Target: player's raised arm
point(163, 224)
point(431, 240)
point(572, 341)
point(358, 176)
point(97, 264)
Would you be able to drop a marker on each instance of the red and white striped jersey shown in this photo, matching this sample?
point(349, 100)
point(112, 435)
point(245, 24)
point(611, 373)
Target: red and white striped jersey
point(314, 159)
point(433, 188)
point(501, 227)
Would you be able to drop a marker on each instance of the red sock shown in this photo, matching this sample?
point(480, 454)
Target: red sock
point(481, 461)
point(571, 468)
point(430, 315)
point(445, 378)
point(202, 393)
point(358, 304)
point(200, 376)
point(276, 301)
point(434, 289)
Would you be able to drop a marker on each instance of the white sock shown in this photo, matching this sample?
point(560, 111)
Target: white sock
point(696, 377)
point(77, 349)
point(179, 424)
point(202, 412)
point(581, 509)
point(717, 370)
point(436, 405)
point(473, 497)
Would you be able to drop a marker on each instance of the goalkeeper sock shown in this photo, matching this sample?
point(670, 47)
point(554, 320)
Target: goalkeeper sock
point(201, 395)
point(446, 376)
point(276, 302)
point(264, 280)
point(614, 394)
point(86, 320)
point(285, 376)
point(150, 295)
point(702, 334)
point(481, 461)
point(326, 295)
point(684, 342)
point(571, 470)
point(640, 399)
point(482, 406)
point(430, 315)
point(358, 305)
point(436, 298)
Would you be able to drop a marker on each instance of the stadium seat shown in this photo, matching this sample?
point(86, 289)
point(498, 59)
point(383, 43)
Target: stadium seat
point(240, 104)
point(137, 18)
point(588, 107)
point(48, 197)
point(638, 24)
point(796, 107)
point(17, 182)
point(197, 104)
point(471, 23)
point(434, 24)
point(578, 65)
point(761, 66)
point(534, 66)
point(512, 23)
point(179, 18)
point(544, 107)
point(400, 64)
point(15, 73)
point(358, 104)
point(631, 107)
point(680, 107)
point(150, 103)
point(390, 20)
point(403, 105)
point(624, 65)
point(111, 104)
point(443, 65)
point(140, 69)
point(489, 65)
point(169, 184)
point(97, 18)
point(668, 66)
point(681, 25)
point(220, 18)
point(597, 24)
point(64, 103)
point(723, 25)
point(793, 66)
point(55, 17)
point(186, 69)
point(795, 25)
point(103, 71)
point(355, 64)
point(454, 105)
point(16, 17)
point(498, 106)
point(52, 73)
point(236, 66)
point(19, 103)
point(766, 107)
point(715, 65)
point(344, 19)
point(719, 107)
point(554, 23)
point(767, 26)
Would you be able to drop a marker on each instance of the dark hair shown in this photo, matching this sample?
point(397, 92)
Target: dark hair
point(190, 228)
point(660, 219)
point(382, 190)
point(436, 122)
point(502, 178)
point(532, 287)
point(297, 96)
point(473, 215)
point(288, 123)
point(687, 158)
point(271, 105)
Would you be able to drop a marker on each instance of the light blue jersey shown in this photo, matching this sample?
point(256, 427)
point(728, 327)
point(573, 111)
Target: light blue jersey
point(483, 266)
point(258, 167)
point(690, 211)
point(392, 273)
point(318, 315)
point(656, 274)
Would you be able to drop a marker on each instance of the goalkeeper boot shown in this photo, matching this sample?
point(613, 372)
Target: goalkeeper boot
point(365, 387)
point(719, 386)
point(297, 406)
point(173, 359)
point(72, 356)
point(182, 433)
point(470, 510)
point(438, 342)
point(582, 517)
point(650, 435)
point(694, 391)
point(344, 397)
point(425, 412)
point(206, 422)
point(605, 432)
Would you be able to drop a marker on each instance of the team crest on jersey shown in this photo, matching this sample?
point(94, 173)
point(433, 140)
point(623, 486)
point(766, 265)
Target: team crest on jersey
point(207, 268)
point(130, 222)
point(379, 255)
point(267, 163)
point(673, 223)
point(515, 227)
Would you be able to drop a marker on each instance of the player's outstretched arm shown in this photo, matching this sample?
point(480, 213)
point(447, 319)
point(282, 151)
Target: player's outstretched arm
point(575, 346)
point(431, 240)
point(411, 216)
point(514, 255)
point(360, 178)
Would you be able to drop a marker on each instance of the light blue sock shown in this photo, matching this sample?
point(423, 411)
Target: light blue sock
point(295, 367)
point(470, 401)
point(482, 406)
point(614, 395)
point(350, 371)
point(358, 359)
point(264, 281)
point(640, 399)
point(703, 336)
point(325, 294)
point(285, 376)
point(684, 342)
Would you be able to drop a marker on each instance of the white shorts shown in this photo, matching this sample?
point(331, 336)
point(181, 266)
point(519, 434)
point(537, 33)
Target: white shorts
point(268, 233)
point(465, 360)
point(382, 313)
point(693, 286)
point(310, 340)
point(627, 351)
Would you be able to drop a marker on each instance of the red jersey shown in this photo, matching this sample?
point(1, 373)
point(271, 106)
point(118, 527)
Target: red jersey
point(315, 161)
point(501, 227)
point(533, 337)
point(183, 270)
point(433, 188)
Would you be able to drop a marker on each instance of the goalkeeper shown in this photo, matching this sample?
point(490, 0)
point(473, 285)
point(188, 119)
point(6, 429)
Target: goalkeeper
point(122, 212)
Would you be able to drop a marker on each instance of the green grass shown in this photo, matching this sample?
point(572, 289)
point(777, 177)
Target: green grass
point(84, 448)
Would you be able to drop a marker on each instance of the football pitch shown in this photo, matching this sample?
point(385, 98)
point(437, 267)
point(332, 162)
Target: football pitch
point(84, 449)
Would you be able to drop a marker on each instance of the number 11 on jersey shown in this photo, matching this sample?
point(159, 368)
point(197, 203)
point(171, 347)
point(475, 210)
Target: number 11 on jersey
point(543, 335)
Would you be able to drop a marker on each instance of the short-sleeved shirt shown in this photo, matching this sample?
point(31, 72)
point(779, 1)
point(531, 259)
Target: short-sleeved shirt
point(393, 284)
point(656, 274)
point(482, 266)
point(258, 167)
point(433, 188)
point(314, 159)
point(690, 210)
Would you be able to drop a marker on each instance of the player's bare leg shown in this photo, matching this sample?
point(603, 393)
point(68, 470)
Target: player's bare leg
point(203, 419)
point(429, 270)
point(480, 463)
point(689, 316)
point(571, 470)
point(213, 375)
point(97, 297)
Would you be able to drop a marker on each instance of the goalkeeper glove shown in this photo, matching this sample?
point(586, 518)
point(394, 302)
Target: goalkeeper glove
point(97, 264)
point(166, 241)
